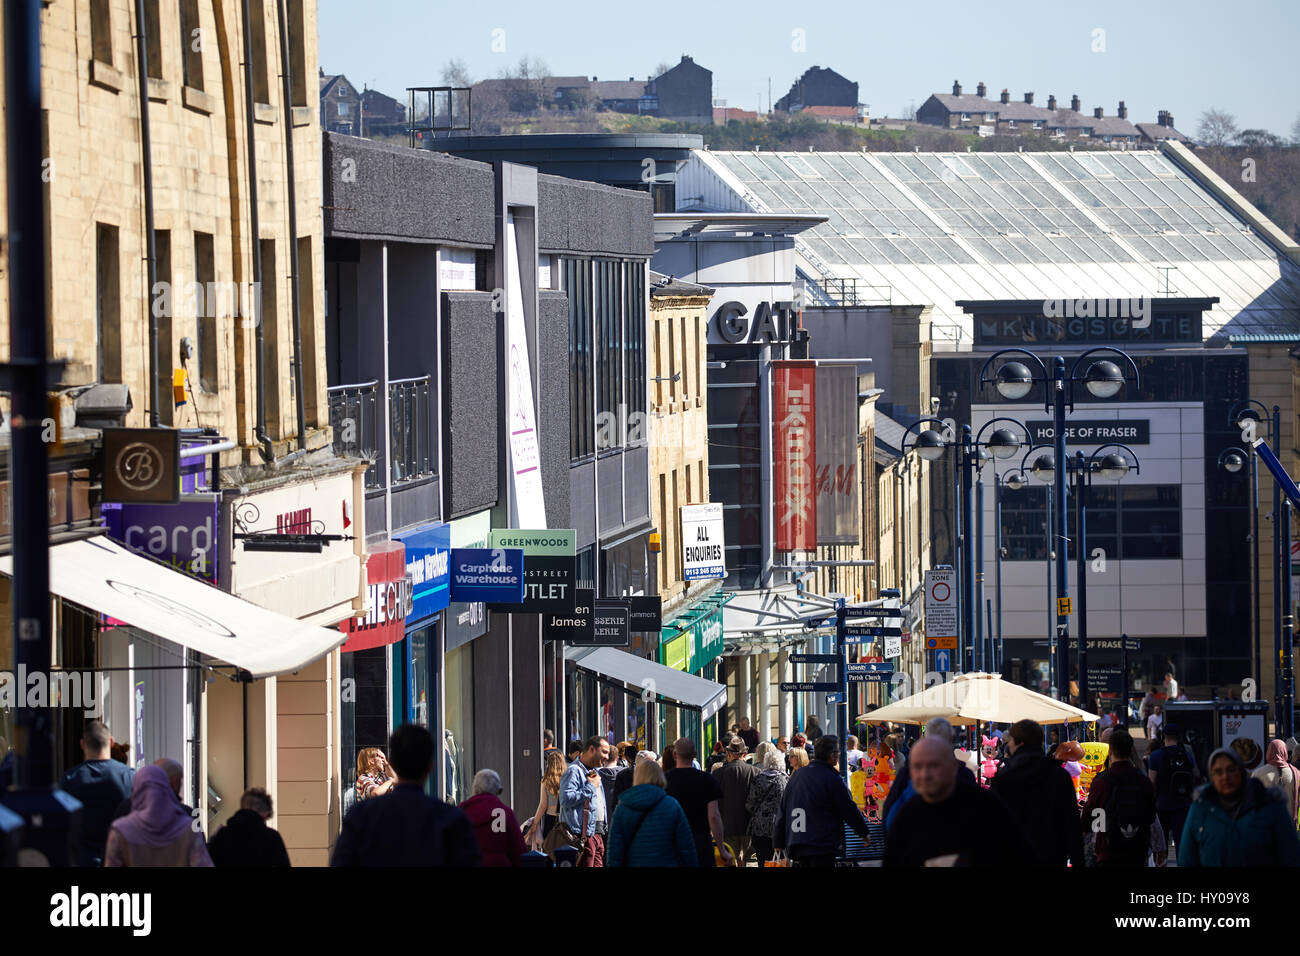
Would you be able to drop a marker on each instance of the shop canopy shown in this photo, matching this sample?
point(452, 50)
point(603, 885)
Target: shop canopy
point(978, 698)
point(686, 689)
point(100, 574)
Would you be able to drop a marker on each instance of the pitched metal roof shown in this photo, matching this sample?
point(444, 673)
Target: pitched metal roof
point(936, 228)
point(1156, 131)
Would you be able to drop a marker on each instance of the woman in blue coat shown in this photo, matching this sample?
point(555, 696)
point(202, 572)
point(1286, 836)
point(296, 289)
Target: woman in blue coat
point(649, 827)
point(1236, 821)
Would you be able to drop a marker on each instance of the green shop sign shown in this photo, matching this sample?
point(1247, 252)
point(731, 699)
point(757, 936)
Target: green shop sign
point(688, 648)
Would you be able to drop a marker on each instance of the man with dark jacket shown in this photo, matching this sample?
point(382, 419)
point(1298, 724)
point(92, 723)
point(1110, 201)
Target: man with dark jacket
point(948, 824)
point(901, 790)
point(1121, 809)
point(100, 783)
point(1040, 796)
point(623, 781)
point(816, 805)
point(405, 827)
point(735, 778)
point(748, 734)
point(246, 840)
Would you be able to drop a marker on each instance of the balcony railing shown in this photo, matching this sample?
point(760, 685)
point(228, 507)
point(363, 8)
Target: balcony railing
point(410, 404)
point(354, 416)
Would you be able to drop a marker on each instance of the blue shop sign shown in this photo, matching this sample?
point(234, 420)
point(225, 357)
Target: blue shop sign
point(428, 563)
point(490, 575)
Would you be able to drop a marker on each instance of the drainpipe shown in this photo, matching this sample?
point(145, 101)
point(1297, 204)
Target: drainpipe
point(285, 74)
point(263, 439)
point(146, 162)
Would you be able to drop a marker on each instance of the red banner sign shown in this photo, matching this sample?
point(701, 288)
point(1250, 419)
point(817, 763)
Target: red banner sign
point(794, 426)
point(385, 622)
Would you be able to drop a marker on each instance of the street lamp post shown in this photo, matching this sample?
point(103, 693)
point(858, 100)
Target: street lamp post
point(1232, 460)
point(1103, 379)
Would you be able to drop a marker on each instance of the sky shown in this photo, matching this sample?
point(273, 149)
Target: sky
point(1184, 56)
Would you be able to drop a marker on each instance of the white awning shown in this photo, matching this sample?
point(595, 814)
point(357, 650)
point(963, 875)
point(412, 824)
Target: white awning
point(709, 696)
point(102, 575)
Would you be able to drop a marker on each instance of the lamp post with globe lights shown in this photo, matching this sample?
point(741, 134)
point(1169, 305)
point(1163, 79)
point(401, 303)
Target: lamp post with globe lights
point(1233, 460)
point(1103, 378)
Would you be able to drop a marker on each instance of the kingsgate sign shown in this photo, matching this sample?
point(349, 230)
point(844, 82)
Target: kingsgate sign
point(771, 322)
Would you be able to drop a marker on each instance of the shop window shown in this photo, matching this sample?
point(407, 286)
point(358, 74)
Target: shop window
point(458, 735)
point(101, 32)
point(108, 305)
point(191, 44)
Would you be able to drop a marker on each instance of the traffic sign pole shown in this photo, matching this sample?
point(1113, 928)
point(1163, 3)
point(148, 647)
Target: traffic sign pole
point(842, 649)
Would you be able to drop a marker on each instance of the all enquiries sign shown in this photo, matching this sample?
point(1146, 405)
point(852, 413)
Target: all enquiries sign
point(703, 548)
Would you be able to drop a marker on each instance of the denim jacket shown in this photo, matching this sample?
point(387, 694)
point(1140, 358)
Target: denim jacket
point(575, 791)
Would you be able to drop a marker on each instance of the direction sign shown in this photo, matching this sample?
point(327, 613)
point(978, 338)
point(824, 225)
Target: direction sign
point(869, 667)
point(812, 623)
point(814, 658)
point(873, 630)
point(834, 698)
point(807, 685)
point(852, 638)
point(941, 603)
point(942, 661)
point(941, 643)
point(893, 646)
point(871, 677)
point(873, 612)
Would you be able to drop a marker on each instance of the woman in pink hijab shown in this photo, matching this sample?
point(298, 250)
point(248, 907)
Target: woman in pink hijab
point(157, 831)
point(1277, 773)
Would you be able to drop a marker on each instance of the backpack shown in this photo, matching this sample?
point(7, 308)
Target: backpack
point(1128, 823)
point(1175, 775)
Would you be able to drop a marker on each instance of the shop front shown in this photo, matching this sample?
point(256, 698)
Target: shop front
point(692, 642)
point(453, 697)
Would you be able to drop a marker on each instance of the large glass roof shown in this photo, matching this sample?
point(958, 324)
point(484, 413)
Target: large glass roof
point(1023, 225)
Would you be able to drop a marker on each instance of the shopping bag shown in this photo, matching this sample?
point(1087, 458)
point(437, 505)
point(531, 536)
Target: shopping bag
point(778, 859)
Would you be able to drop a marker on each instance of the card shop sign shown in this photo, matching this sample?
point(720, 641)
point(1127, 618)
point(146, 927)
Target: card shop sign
point(795, 428)
point(142, 465)
point(388, 595)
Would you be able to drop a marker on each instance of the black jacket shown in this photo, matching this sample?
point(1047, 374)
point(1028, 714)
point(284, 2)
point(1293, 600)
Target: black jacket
point(735, 778)
point(622, 784)
point(404, 827)
point(903, 777)
point(1040, 795)
point(825, 805)
point(246, 840)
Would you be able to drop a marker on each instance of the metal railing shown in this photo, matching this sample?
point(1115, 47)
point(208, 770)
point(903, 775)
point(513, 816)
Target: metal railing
point(847, 292)
point(410, 406)
point(354, 416)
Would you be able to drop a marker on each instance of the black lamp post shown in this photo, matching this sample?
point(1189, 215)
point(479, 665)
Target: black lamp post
point(931, 443)
point(1103, 379)
point(1233, 460)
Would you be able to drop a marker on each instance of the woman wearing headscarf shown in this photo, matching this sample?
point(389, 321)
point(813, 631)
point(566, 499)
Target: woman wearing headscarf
point(157, 831)
point(1276, 772)
point(1237, 821)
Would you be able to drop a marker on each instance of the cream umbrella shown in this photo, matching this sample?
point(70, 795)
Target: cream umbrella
point(978, 698)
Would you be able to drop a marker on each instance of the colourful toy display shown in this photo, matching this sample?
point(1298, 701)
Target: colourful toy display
point(1092, 763)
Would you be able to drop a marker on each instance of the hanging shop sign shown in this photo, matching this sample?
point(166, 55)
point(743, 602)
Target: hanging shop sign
point(837, 455)
point(142, 465)
point(465, 621)
point(428, 565)
point(577, 624)
point(612, 625)
point(703, 546)
point(794, 425)
point(646, 614)
point(388, 599)
point(490, 575)
point(550, 567)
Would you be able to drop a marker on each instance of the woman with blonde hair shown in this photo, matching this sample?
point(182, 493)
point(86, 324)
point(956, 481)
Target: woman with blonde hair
point(548, 803)
point(798, 758)
point(649, 827)
point(374, 776)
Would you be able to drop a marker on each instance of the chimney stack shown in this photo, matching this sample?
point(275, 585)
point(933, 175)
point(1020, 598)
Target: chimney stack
point(981, 90)
point(956, 88)
point(1029, 99)
point(1169, 120)
point(1122, 112)
point(1161, 118)
point(1051, 102)
point(1098, 112)
point(1006, 97)
point(1074, 102)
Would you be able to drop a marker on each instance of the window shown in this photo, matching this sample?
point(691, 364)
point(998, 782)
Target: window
point(191, 44)
point(307, 306)
point(153, 27)
point(577, 283)
point(686, 364)
point(204, 370)
point(297, 52)
point(672, 362)
point(659, 361)
point(965, 117)
point(1132, 522)
point(101, 32)
point(669, 525)
point(108, 306)
point(688, 485)
point(163, 303)
point(278, 384)
point(343, 109)
point(257, 30)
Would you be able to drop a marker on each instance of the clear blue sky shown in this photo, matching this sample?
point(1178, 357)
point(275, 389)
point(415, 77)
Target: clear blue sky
point(1185, 56)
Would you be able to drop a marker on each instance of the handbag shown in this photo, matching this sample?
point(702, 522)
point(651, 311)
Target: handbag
point(778, 859)
point(561, 835)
